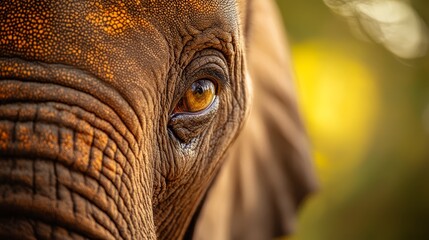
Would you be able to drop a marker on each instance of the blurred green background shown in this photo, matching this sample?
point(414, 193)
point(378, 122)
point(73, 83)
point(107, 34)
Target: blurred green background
point(367, 114)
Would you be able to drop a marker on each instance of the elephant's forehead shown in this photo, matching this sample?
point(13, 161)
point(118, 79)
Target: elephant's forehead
point(100, 35)
point(117, 16)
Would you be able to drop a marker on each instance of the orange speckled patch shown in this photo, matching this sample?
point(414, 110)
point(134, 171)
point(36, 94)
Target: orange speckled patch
point(202, 6)
point(96, 160)
point(5, 139)
point(37, 30)
point(114, 20)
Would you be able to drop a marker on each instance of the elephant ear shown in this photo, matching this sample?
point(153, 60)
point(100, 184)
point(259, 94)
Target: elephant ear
point(267, 172)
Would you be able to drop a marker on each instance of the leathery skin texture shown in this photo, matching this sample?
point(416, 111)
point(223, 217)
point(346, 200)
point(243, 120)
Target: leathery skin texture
point(89, 144)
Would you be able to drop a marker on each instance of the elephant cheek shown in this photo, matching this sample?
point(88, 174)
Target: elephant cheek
point(65, 171)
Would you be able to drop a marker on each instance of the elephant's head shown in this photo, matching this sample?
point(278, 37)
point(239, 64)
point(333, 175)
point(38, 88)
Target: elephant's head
point(115, 117)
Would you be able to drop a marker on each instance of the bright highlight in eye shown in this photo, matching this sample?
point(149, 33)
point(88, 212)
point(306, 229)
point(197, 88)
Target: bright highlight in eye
point(198, 97)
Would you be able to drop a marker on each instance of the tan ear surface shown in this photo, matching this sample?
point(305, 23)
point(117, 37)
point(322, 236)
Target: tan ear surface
point(268, 170)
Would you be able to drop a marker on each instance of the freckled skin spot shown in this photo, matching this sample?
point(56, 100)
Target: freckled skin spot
point(4, 140)
point(113, 21)
point(97, 160)
point(67, 144)
point(4, 136)
point(203, 7)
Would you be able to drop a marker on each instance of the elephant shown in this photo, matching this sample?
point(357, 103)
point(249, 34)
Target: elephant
point(148, 119)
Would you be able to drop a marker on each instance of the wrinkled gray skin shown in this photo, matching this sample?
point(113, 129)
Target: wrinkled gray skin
point(90, 146)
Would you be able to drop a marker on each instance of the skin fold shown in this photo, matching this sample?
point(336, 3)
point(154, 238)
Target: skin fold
point(92, 144)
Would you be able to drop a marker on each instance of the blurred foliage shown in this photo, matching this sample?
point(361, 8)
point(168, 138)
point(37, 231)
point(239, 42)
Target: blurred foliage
point(367, 114)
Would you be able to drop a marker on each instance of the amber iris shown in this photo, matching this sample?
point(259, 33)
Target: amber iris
point(198, 97)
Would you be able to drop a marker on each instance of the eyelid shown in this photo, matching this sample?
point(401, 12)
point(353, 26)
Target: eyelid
point(213, 73)
point(209, 59)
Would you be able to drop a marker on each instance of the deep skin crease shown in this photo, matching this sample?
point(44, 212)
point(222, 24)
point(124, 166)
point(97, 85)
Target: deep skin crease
point(88, 145)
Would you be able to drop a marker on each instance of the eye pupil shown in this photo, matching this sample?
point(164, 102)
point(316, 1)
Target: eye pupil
point(198, 97)
point(198, 89)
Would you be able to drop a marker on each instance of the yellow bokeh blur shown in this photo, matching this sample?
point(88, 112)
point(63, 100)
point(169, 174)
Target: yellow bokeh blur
point(333, 88)
point(362, 79)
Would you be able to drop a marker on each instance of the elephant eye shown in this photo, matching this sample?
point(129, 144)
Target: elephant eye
point(199, 96)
